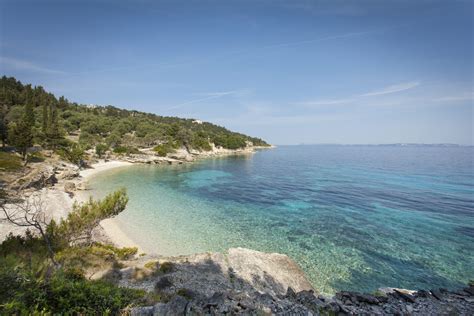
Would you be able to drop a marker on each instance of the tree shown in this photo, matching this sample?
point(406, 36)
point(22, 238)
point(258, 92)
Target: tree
point(113, 140)
point(53, 133)
point(62, 102)
point(84, 218)
point(29, 213)
point(184, 137)
point(100, 149)
point(75, 154)
point(3, 125)
point(45, 119)
point(21, 133)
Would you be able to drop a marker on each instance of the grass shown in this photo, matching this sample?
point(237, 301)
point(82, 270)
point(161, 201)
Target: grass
point(9, 162)
point(36, 157)
point(379, 293)
point(166, 267)
point(151, 265)
point(96, 258)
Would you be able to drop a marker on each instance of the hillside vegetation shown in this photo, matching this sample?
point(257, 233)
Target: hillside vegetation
point(30, 115)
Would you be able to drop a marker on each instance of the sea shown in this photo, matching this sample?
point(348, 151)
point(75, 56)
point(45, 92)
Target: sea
point(353, 217)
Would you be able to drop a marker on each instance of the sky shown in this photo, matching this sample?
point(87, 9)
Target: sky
point(290, 72)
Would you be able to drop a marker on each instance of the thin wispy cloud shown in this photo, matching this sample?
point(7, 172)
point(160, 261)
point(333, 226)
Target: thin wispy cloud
point(26, 65)
point(384, 91)
point(392, 89)
point(218, 94)
point(469, 96)
point(327, 102)
point(207, 96)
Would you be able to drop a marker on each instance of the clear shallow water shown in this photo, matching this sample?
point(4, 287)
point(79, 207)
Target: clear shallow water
point(353, 217)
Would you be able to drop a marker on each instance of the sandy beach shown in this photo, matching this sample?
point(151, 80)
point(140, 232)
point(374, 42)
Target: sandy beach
point(102, 166)
point(57, 204)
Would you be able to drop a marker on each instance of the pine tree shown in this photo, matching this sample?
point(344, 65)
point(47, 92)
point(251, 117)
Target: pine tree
point(21, 133)
point(53, 132)
point(3, 125)
point(63, 102)
point(44, 127)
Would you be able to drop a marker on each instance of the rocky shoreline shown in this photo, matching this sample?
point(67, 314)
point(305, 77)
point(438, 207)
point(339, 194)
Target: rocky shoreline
point(308, 303)
point(249, 282)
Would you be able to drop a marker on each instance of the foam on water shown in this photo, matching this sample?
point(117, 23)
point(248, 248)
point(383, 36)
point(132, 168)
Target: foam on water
point(354, 218)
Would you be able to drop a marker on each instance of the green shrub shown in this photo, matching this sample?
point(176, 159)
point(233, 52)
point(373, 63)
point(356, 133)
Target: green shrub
point(151, 265)
point(163, 149)
point(201, 143)
point(9, 162)
point(36, 157)
point(75, 154)
point(186, 293)
point(100, 149)
point(121, 253)
point(126, 150)
point(65, 292)
point(166, 267)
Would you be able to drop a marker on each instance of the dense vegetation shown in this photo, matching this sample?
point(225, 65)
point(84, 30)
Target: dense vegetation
point(45, 273)
point(30, 115)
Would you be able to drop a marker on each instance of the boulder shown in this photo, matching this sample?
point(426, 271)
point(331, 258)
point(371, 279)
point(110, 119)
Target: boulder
point(271, 273)
point(177, 306)
point(81, 186)
point(39, 177)
point(69, 187)
point(68, 174)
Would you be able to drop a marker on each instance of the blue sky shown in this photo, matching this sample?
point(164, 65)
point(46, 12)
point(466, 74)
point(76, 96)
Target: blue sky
point(287, 71)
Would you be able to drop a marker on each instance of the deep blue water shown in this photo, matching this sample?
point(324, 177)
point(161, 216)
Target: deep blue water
point(353, 217)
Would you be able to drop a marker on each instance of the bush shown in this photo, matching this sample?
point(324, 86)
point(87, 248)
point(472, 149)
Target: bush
point(100, 149)
point(166, 267)
point(121, 253)
point(36, 157)
point(81, 221)
point(88, 140)
point(9, 162)
point(75, 154)
point(151, 265)
point(65, 292)
point(114, 139)
point(126, 150)
point(164, 149)
point(30, 285)
point(201, 143)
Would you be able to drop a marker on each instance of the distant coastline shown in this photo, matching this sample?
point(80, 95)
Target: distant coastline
point(387, 145)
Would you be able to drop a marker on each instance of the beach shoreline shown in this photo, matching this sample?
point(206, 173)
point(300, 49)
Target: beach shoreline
point(109, 227)
point(68, 185)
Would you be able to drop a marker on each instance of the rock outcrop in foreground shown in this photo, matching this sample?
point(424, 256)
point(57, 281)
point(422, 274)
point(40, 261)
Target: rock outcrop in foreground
point(245, 281)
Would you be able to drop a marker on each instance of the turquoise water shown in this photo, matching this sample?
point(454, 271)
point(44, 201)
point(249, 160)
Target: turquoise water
point(353, 217)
